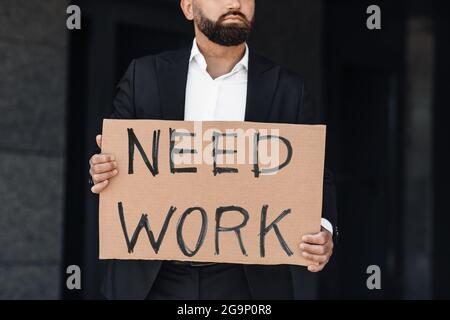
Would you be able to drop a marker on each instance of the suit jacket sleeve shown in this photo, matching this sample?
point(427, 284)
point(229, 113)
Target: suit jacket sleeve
point(308, 113)
point(123, 104)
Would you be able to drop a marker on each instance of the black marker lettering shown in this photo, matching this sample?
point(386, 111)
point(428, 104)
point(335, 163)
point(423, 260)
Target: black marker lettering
point(217, 151)
point(201, 237)
point(144, 223)
point(263, 171)
point(172, 150)
point(219, 212)
point(264, 230)
point(132, 141)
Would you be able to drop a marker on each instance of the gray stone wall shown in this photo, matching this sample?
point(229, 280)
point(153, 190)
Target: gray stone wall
point(32, 134)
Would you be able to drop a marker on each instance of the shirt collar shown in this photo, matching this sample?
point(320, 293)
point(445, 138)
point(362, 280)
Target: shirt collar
point(200, 59)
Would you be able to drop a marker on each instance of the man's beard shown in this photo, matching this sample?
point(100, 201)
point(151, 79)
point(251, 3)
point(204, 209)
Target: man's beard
point(224, 35)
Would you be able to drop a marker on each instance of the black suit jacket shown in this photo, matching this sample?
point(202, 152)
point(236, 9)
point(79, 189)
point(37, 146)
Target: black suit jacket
point(154, 87)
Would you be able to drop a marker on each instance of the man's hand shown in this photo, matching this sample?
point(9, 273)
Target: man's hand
point(103, 168)
point(317, 248)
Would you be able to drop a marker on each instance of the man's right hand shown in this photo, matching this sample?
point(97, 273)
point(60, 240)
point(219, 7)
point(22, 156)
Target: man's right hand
point(103, 168)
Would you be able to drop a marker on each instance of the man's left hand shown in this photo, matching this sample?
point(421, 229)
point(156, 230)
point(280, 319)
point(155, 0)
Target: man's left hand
point(317, 248)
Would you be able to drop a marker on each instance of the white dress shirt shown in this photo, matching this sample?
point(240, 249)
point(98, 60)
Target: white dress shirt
point(220, 99)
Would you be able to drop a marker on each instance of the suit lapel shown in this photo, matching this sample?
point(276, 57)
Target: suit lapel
point(262, 83)
point(172, 69)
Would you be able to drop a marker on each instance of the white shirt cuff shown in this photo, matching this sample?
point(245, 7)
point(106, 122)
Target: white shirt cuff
point(327, 225)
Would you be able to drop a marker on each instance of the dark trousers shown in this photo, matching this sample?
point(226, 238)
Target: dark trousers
point(210, 282)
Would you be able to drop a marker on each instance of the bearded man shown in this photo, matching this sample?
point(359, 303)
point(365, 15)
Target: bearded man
point(217, 79)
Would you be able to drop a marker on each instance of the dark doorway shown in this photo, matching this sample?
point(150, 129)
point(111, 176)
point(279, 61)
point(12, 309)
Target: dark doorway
point(363, 89)
point(115, 32)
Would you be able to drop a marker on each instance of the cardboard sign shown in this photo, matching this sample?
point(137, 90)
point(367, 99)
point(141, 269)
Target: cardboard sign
point(234, 192)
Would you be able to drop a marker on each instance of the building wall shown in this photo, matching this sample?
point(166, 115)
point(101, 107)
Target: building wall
point(32, 135)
